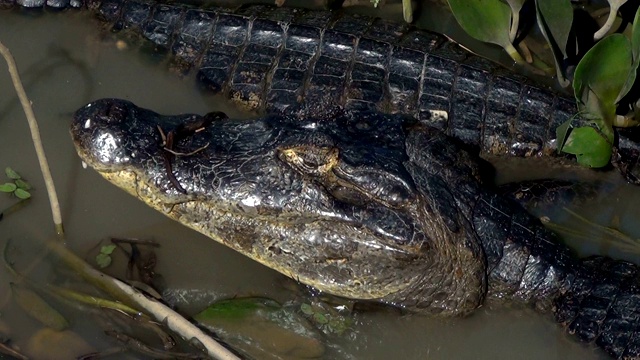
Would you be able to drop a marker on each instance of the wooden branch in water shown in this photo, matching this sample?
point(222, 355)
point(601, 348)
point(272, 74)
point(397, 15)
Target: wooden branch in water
point(35, 136)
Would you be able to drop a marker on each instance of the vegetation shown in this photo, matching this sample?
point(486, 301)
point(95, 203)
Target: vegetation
point(600, 64)
point(17, 186)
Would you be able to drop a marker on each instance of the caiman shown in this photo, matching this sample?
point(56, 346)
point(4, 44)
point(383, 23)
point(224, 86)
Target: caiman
point(363, 205)
point(355, 183)
point(293, 61)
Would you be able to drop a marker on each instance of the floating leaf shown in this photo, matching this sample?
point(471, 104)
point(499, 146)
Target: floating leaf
point(635, 54)
point(554, 19)
point(107, 249)
point(103, 260)
point(590, 147)
point(320, 318)
point(262, 328)
point(486, 20)
point(22, 194)
point(306, 309)
point(11, 174)
point(37, 308)
point(8, 187)
point(22, 184)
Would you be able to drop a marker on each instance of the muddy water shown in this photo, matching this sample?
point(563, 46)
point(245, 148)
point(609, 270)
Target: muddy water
point(64, 66)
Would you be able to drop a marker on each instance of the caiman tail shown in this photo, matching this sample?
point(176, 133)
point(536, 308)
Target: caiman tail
point(287, 60)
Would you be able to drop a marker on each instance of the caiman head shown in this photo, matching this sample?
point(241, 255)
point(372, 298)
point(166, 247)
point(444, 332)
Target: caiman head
point(361, 205)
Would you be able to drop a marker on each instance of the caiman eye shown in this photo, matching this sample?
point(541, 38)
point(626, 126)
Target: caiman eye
point(312, 160)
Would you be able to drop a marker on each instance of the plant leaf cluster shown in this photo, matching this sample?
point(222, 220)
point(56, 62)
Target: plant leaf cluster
point(103, 259)
point(601, 69)
point(17, 186)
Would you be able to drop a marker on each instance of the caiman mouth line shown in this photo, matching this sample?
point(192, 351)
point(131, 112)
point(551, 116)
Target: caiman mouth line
point(129, 181)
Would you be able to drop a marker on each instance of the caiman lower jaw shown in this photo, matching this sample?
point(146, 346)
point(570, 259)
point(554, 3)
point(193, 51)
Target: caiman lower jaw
point(131, 182)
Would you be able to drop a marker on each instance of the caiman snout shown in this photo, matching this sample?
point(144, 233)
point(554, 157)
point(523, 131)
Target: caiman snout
point(98, 130)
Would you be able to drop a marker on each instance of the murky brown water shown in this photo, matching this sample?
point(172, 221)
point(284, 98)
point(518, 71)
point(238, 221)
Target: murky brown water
point(63, 68)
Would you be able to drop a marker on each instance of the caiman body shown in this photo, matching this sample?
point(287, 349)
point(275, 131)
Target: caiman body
point(363, 205)
point(310, 63)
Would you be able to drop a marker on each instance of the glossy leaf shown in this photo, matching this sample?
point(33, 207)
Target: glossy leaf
point(11, 174)
point(8, 187)
point(22, 194)
point(554, 19)
point(486, 20)
point(635, 54)
point(590, 147)
point(600, 76)
point(38, 308)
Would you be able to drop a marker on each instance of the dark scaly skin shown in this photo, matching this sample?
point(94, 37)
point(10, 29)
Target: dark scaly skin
point(397, 216)
point(310, 63)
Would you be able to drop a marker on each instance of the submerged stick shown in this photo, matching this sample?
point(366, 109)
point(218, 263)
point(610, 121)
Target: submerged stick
point(35, 136)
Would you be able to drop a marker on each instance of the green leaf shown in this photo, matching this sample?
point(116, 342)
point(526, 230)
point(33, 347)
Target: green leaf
point(11, 174)
point(38, 308)
point(590, 147)
point(236, 309)
point(561, 133)
point(22, 184)
point(554, 19)
point(8, 187)
point(22, 194)
point(107, 249)
point(602, 73)
point(635, 54)
point(320, 318)
point(486, 20)
point(306, 309)
point(262, 328)
point(103, 260)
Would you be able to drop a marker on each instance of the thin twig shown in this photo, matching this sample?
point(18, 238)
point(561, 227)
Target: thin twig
point(35, 136)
